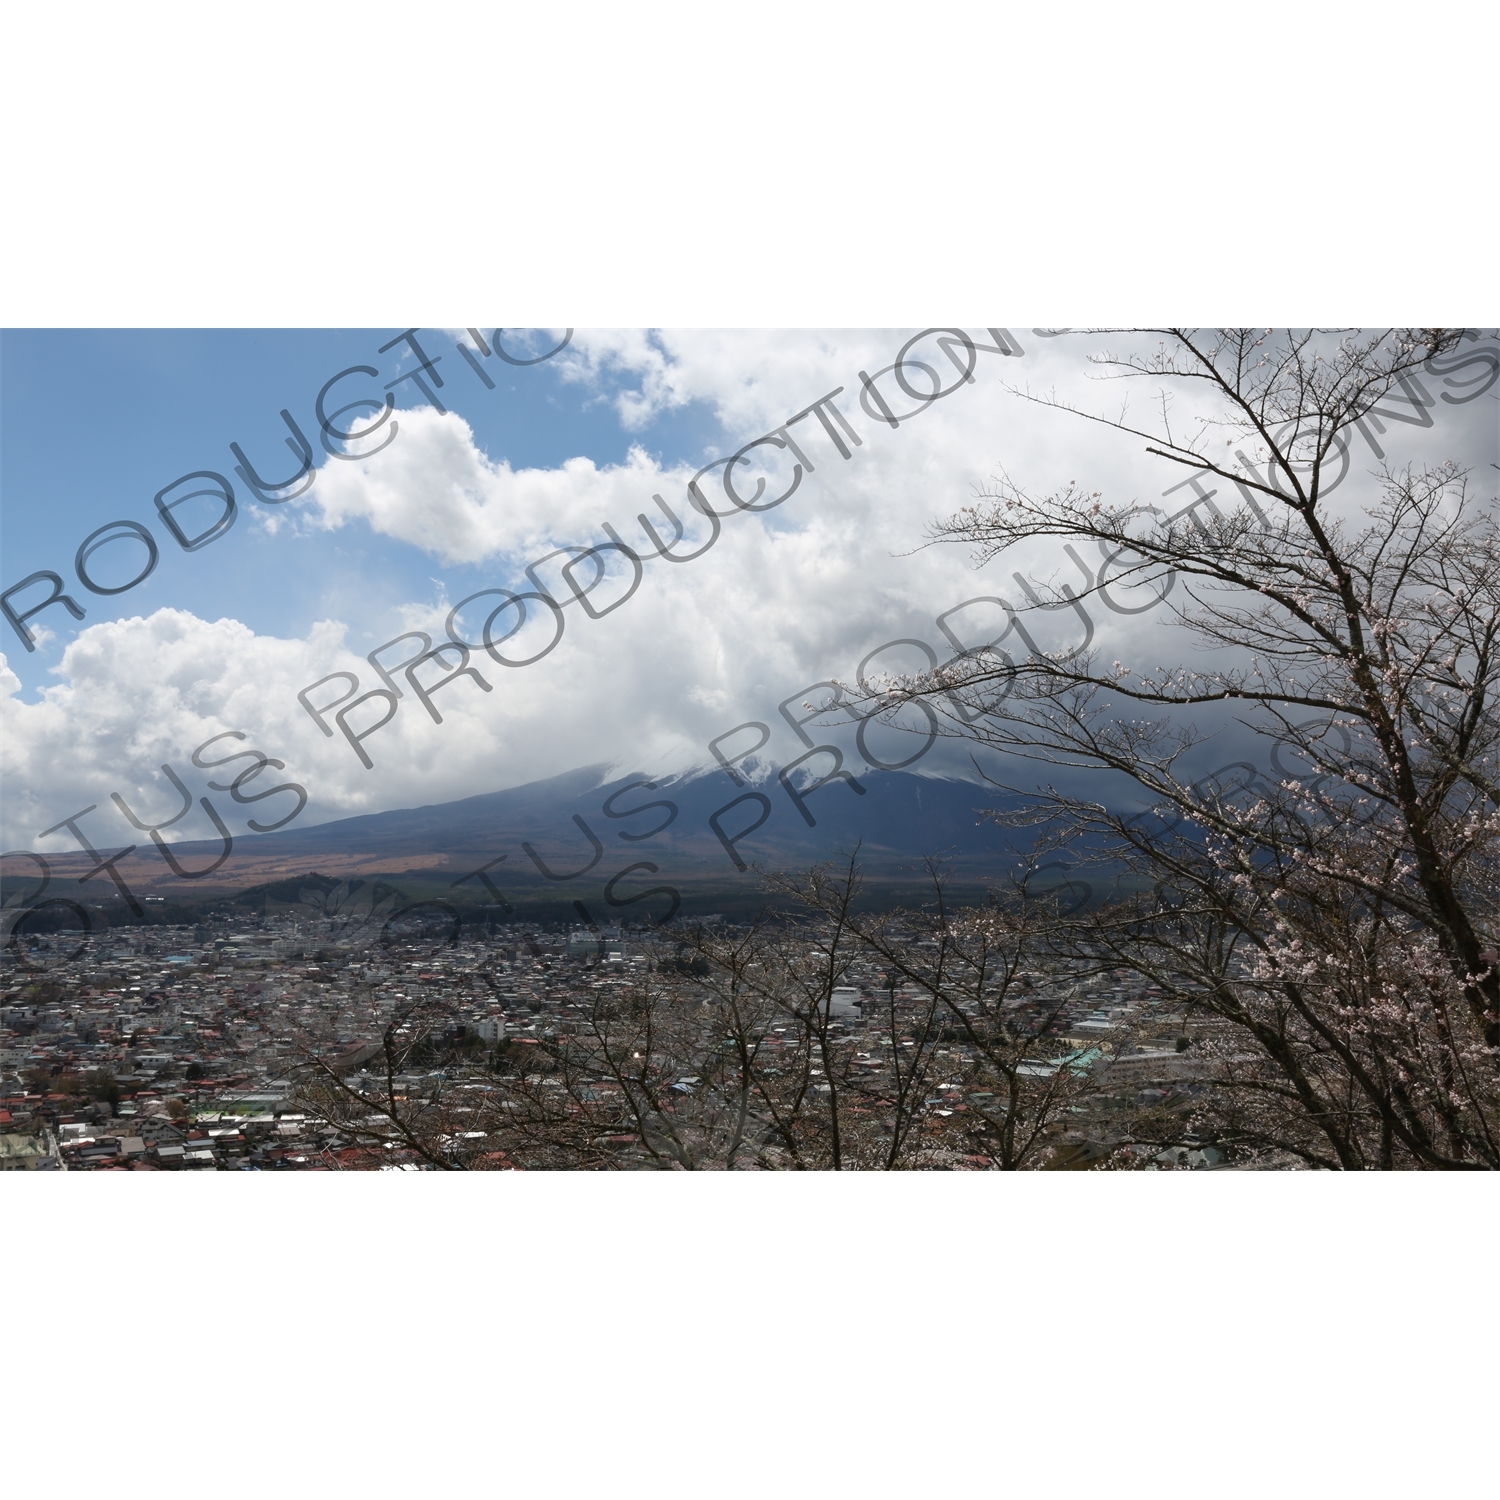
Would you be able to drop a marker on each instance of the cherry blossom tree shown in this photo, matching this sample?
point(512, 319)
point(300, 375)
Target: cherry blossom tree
point(1328, 897)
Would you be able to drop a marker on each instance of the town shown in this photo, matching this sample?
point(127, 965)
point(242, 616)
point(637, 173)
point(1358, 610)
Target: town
point(322, 1035)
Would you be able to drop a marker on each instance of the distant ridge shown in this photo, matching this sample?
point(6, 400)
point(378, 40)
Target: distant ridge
point(896, 818)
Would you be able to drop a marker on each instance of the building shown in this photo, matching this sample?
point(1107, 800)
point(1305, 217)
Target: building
point(30, 1153)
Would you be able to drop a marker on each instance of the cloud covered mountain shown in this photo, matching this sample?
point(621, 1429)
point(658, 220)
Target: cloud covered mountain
point(591, 834)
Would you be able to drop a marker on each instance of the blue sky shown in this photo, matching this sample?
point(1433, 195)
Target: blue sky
point(94, 422)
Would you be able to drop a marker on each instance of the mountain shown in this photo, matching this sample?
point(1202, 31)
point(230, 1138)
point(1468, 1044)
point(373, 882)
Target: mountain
point(572, 836)
point(896, 813)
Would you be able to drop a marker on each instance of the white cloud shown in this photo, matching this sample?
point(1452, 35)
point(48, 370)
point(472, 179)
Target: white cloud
point(635, 352)
point(748, 377)
point(434, 489)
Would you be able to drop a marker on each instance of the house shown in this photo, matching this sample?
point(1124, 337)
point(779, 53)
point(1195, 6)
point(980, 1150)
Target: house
point(30, 1153)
